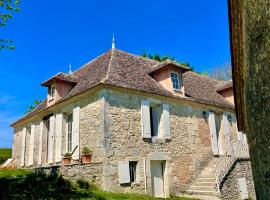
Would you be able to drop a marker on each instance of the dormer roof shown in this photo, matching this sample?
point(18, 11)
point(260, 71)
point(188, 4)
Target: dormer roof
point(60, 76)
point(166, 63)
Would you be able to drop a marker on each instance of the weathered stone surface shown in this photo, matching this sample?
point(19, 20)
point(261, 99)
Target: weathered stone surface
point(230, 188)
point(92, 172)
point(110, 124)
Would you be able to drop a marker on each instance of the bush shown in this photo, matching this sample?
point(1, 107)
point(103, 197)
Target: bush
point(87, 151)
point(5, 154)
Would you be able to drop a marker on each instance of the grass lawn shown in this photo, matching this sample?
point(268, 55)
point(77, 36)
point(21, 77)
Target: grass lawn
point(23, 184)
point(5, 154)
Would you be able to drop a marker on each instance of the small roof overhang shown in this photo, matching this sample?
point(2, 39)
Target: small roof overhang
point(62, 77)
point(167, 63)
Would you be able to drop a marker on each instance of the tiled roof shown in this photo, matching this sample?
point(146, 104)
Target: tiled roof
point(119, 68)
point(61, 76)
point(160, 65)
point(224, 85)
point(203, 89)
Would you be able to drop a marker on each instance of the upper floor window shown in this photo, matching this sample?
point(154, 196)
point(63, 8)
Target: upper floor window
point(51, 91)
point(155, 115)
point(69, 132)
point(175, 80)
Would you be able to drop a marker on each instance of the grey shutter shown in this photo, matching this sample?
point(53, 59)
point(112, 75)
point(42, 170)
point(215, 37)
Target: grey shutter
point(226, 131)
point(58, 136)
point(51, 140)
point(41, 128)
point(76, 133)
point(212, 125)
point(243, 188)
point(244, 138)
point(166, 121)
point(123, 171)
point(31, 145)
point(23, 146)
point(145, 118)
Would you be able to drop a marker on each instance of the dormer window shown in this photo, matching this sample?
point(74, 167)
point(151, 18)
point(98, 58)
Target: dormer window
point(175, 80)
point(51, 91)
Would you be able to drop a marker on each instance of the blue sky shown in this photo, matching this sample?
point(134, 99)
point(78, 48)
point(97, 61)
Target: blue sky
point(50, 34)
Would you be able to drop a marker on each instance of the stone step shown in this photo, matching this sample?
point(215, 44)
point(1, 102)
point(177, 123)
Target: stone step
point(201, 192)
point(207, 176)
point(201, 197)
point(213, 183)
point(202, 188)
point(205, 179)
point(207, 173)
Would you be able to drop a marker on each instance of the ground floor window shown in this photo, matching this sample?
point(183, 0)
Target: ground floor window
point(69, 132)
point(132, 170)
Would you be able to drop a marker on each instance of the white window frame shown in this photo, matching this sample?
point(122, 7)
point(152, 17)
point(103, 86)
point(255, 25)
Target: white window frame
point(67, 131)
point(50, 93)
point(178, 80)
point(159, 110)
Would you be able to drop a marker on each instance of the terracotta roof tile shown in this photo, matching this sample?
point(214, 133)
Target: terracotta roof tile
point(123, 69)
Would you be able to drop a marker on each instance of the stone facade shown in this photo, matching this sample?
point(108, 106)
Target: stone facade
point(230, 187)
point(110, 124)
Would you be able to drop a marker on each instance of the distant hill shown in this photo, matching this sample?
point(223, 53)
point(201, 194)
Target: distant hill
point(5, 154)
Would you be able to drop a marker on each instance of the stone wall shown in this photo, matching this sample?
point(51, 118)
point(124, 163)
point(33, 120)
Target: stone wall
point(92, 172)
point(189, 149)
point(230, 188)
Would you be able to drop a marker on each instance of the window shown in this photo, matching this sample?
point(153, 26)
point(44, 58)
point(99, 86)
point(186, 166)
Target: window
point(47, 125)
point(51, 91)
point(155, 120)
point(132, 170)
point(175, 81)
point(69, 132)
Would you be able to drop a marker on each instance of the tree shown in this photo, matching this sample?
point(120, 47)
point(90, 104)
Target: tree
point(162, 58)
point(36, 102)
point(222, 72)
point(6, 8)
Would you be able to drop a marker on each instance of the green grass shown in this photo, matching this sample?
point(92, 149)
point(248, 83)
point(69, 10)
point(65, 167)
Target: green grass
point(5, 154)
point(13, 172)
point(23, 184)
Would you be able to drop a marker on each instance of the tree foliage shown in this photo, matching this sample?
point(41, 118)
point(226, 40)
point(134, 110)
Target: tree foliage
point(222, 72)
point(162, 58)
point(35, 103)
point(6, 8)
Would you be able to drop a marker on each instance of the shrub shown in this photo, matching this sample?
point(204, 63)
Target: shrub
point(87, 151)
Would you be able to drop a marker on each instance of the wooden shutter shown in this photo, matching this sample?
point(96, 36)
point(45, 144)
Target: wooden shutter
point(226, 130)
point(76, 133)
point(32, 145)
point(23, 146)
point(244, 138)
point(145, 118)
point(41, 128)
point(242, 183)
point(123, 171)
point(51, 140)
point(166, 121)
point(212, 125)
point(58, 136)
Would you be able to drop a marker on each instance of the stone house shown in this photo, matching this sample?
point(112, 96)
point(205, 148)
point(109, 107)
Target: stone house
point(155, 128)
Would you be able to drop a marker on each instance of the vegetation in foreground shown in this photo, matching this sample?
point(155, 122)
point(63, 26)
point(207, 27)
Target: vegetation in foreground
point(5, 154)
point(23, 184)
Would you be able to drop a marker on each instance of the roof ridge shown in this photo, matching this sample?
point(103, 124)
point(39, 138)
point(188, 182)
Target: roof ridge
point(109, 66)
point(132, 54)
point(90, 62)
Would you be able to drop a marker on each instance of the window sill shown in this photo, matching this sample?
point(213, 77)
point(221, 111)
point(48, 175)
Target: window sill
point(158, 140)
point(51, 99)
